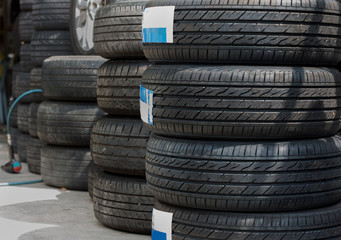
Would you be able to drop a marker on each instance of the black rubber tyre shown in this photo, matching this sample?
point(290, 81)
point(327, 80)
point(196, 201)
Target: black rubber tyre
point(25, 54)
point(71, 78)
point(35, 83)
point(50, 43)
point(25, 26)
point(14, 116)
point(51, 14)
point(26, 5)
point(117, 30)
point(118, 145)
point(22, 117)
point(245, 176)
point(65, 167)
point(242, 32)
point(14, 137)
point(22, 141)
point(33, 153)
point(93, 171)
point(33, 119)
point(123, 203)
point(22, 85)
point(323, 223)
point(67, 124)
point(118, 86)
point(244, 102)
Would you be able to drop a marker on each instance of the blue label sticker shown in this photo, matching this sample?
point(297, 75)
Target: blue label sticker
point(154, 35)
point(156, 235)
point(146, 105)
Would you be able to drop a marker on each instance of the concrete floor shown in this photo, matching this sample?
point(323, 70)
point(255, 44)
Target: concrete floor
point(39, 212)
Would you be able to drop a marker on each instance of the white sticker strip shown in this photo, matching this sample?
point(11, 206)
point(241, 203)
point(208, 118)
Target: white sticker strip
point(146, 105)
point(158, 24)
point(162, 225)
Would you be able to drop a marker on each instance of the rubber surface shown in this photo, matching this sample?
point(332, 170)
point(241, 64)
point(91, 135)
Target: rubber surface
point(22, 85)
point(245, 176)
point(33, 153)
point(25, 26)
point(243, 32)
point(26, 5)
point(244, 102)
point(35, 83)
point(67, 124)
point(65, 167)
point(22, 117)
point(118, 86)
point(22, 141)
point(123, 203)
point(117, 30)
point(93, 171)
point(33, 119)
point(323, 223)
point(51, 14)
point(118, 145)
point(14, 137)
point(72, 78)
point(50, 43)
point(25, 54)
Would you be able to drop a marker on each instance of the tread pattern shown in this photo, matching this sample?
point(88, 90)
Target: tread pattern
point(123, 203)
point(118, 86)
point(25, 54)
point(244, 102)
point(117, 30)
point(35, 83)
point(245, 176)
point(33, 153)
point(118, 145)
point(22, 141)
point(93, 171)
point(22, 85)
point(318, 224)
point(33, 119)
point(67, 124)
point(256, 32)
point(51, 14)
point(50, 43)
point(66, 167)
point(71, 78)
point(22, 117)
point(25, 26)
point(14, 137)
point(26, 5)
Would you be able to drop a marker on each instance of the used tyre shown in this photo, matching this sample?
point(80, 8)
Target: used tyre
point(93, 171)
point(25, 26)
point(118, 145)
point(50, 43)
point(35, 83)
point(14, 137)
point(69, 124)
point(23, 117)
point(242, 32)
point(241, 102)
point(33, 153)
point(51, 14)
point(245, 176)
point(22, 85)
point(71, 78)
point(118, 86)
point(323, 223)
point(117, 30)
point(123, 203)
point(65, 167)
point(33, 119)
point(25, 54)
point(22, 141)
point(26, 5)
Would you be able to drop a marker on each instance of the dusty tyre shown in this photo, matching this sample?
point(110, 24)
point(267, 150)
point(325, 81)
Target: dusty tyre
point(22, 141)
point(25, 54)
point(22, 85)
point(241, 32)
point(51, 14)
point(118, 145)
point(93, 171)
point(25, 26)
point(33, 153)
point(14, 116)
point(65, 167)
point(201, 225)
point(123, 203)
point(35, 83)
point(22, 117)
point(118, 86)
point(72, 78)
point(117, 30)
point(241, 102)
point(245, 176)
point(26, 5)
point(14, 137)
point(33, 119)
point(50, 43)
point(67, 124)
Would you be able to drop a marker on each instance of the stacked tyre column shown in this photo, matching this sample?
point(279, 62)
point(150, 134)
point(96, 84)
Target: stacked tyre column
point(118, 141)
point(66, 118)
point(244, 151)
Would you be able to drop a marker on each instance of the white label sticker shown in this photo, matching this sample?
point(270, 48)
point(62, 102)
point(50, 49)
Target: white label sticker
point(146, 105)
point(162, 225)
point(157, 24)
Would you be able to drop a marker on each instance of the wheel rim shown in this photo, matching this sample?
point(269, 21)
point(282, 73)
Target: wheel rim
point(85, 12)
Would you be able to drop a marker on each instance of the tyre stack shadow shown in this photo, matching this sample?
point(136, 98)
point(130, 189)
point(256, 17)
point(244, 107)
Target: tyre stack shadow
point(243, 151)
point(117, 181)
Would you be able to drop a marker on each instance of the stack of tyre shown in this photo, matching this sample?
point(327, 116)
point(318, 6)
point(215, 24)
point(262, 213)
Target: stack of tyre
point(21, 82)
point(119, 140)
point(245, 143)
